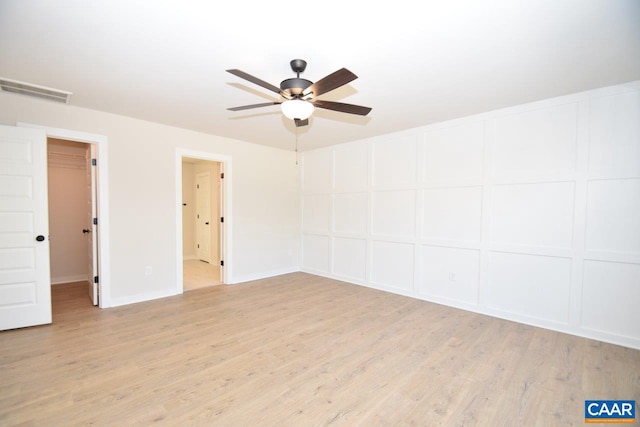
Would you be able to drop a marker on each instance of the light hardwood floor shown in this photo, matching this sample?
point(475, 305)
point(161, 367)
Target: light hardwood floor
point(199, 274)
point(300, 350)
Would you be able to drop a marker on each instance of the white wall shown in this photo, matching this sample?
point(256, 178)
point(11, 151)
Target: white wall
point(69, 211)
point(530, 213)
point(142, 197)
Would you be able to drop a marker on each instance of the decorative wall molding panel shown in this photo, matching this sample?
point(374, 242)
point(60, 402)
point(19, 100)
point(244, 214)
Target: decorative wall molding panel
point(530, 213)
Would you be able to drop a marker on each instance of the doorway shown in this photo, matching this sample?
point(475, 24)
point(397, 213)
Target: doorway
point(24, 231)
point(185, 179)
point(201, 223)
point(99, 146)
point(73, 234)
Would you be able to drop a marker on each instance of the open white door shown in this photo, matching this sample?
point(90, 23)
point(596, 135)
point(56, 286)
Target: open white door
point(92, 235)
point(25, 283)
point(203, 216)
point(221, 222)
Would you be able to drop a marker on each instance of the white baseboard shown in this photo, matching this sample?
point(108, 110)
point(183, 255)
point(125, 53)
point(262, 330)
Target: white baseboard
point(263, 275)
point(625, 341)
point(69, 279)
point(132, 299)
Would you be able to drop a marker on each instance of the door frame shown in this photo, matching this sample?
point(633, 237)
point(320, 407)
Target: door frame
point(101, 142)
point(225, 212)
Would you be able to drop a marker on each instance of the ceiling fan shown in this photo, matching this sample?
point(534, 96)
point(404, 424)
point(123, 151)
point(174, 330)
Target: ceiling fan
point(299, 96)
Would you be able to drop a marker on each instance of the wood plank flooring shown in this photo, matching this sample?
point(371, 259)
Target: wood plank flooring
point(299, 350)
point(199, 274)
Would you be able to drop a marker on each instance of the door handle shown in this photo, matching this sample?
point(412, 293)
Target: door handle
point(206, 223)
point(86, 230)
point(40, 238)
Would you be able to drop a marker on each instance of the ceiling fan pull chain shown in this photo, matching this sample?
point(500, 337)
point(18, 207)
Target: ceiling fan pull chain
point(296, 146)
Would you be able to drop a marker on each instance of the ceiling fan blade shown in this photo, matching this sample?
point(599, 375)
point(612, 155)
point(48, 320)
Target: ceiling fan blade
point(247, 107)
point(300, 123)
point(344, 108)
point(254, 80)
point(330, 82)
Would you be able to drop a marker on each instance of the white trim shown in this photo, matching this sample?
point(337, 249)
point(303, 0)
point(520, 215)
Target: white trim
point(264, 275)
point(565, 328)
point(69, 279)
point(116, 302)
point(104, 252)
point(226, 228)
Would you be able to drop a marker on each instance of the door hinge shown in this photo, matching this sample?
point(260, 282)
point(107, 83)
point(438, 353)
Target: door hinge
point(222, 175)
point(221, 219)
point(94, 162)
point(95, 279)
point(221, 263)
point(95, 221)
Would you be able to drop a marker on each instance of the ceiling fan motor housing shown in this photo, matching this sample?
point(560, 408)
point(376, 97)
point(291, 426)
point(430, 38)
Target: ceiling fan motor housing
point(295, 86)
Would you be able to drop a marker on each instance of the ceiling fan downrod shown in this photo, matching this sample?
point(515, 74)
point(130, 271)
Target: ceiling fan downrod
point(296, 85)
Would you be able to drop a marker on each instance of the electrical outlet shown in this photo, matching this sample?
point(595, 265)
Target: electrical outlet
point(148, 270)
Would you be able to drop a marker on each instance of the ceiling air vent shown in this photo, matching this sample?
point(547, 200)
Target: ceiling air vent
point(13, 86)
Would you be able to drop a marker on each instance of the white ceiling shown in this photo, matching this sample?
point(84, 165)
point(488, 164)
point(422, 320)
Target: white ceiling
point(417, 62)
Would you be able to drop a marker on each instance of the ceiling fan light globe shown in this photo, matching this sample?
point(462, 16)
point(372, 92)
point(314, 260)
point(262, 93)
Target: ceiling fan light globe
point(297, 109)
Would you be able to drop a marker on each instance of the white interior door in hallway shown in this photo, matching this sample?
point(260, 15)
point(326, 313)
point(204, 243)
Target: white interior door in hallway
point(201, 200)
point(203, 216)
point(25, 286)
